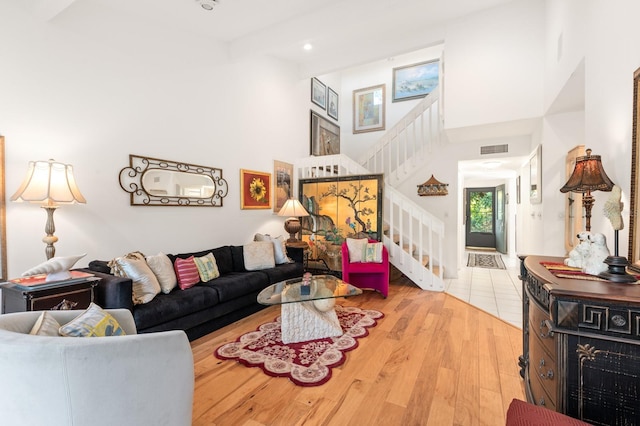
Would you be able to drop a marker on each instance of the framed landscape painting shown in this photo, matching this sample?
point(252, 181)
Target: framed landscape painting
point(368, 109)
point(255, 190)
point(415, 81)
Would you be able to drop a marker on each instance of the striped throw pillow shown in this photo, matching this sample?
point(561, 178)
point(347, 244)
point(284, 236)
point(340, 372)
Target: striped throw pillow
point(186, 272)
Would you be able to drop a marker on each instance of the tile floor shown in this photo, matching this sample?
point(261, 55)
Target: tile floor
point(496, 291)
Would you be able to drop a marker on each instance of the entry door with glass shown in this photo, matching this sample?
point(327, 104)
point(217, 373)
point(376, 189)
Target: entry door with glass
point(480, 206)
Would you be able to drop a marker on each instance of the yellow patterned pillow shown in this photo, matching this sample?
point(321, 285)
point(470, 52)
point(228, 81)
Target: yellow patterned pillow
point(94, 322)
point(207, 267)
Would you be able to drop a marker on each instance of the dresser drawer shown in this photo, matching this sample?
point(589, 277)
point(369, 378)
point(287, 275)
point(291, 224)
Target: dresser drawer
point(539, 391)
point(540, 326)
point(542, 370)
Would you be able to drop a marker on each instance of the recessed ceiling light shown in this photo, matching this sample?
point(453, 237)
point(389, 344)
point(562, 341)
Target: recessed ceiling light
point(307, 46)
point(208, 4)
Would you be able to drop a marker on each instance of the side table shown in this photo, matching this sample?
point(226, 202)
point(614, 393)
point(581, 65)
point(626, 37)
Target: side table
point(72, 294)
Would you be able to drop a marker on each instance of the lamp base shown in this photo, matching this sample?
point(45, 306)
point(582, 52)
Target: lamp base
point(292, 226)
point(617, 270)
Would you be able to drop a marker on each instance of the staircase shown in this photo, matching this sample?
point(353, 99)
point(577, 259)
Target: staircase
point(413, 236)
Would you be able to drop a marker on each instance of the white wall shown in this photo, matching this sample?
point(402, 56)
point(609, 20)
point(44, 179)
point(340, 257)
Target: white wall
point(493, 68)
point(82, 97)
point(602, 34)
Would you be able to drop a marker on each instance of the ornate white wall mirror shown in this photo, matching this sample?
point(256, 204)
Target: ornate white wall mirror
point(156, 182)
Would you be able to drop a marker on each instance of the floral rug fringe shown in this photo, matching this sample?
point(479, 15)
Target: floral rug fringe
point(305, 363)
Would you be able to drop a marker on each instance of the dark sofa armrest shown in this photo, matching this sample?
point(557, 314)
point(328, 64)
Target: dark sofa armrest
point(113, 292)
point(296, 254)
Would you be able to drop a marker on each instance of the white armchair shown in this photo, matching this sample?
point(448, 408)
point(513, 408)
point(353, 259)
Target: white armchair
point(137, 379)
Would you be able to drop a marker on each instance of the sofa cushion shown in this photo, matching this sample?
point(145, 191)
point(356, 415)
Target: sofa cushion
point(259, 255)
point(207, 267)
point(356, 249)
point(134, 266)
point(237, 253)
point(222, 254)
point(93, 322)
point(46, 325)
point(284, 272)
point(179, 303)
point(237, 284)
point(186, 272)
point(162, 267)
point(279, 247)
point(373, 253)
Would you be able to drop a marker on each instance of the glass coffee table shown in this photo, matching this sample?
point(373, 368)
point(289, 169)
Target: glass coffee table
point(308, 316)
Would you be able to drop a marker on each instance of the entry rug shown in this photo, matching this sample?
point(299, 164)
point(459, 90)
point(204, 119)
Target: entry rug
point(305, 363)
point(491, 261)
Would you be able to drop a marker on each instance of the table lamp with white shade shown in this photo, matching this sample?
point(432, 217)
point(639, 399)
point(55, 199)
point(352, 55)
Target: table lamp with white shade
point(294, 209)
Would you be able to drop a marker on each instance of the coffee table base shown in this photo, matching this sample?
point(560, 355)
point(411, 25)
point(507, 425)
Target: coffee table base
point(302, 322)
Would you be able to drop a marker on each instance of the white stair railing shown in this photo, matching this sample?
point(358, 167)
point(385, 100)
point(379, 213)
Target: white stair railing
point(407, 222)
point(404, 147)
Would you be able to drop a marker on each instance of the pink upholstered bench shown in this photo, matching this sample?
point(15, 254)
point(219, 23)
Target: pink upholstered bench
point(522, 413)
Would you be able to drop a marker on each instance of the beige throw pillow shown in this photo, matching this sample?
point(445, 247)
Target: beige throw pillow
point(162, 267)
point(279, 247)
point(258, 255)
point(134, 266)
point(356, 249)
point(46, 325)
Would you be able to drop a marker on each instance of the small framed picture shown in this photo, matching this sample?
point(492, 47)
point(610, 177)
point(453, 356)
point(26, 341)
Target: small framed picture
point(282, 184)
point(325, 136)
point(255, 190)
point(332, 105)
point(415, 81)
point(368, 109)
point(318, 93)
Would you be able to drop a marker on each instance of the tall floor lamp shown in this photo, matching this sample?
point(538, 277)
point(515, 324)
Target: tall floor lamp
point(49, 183)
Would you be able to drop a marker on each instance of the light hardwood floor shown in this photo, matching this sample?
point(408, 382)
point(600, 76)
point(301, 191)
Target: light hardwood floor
point(432, 360)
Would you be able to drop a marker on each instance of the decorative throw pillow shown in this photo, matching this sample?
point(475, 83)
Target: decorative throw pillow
point(46, 325)
point(186, 272)
point(373, 253)
point(94, 322)
point(258, 255)
point(161, 266)
point(356, 249)
point(207, 267)
point(279, 247)
point(134, 266)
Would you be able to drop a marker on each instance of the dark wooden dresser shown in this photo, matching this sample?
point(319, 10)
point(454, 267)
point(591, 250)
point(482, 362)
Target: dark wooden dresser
point(72, 294)
point(581, 345)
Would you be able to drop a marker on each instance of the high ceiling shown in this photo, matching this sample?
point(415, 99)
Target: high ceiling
point(344, 33)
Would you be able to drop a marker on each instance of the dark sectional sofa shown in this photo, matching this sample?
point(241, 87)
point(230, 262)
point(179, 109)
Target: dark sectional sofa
point(206, 306)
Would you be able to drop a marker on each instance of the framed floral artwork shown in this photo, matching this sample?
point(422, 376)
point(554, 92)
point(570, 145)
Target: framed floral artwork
point(318, 93)
point(282, 184)
point(368, 109)
point(255, 190)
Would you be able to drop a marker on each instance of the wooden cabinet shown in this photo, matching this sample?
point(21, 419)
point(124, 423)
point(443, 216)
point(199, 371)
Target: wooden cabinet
point(581, 342)
point(73, 295)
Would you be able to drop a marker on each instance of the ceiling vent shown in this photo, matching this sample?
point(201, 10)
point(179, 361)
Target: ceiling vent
point(494, 149)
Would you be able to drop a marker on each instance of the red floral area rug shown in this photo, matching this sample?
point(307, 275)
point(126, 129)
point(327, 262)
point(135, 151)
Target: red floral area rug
point(305, 363)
